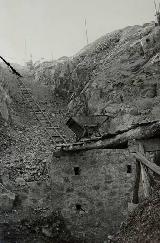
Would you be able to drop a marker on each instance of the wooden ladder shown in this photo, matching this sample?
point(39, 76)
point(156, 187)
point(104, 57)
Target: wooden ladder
point(52, 131)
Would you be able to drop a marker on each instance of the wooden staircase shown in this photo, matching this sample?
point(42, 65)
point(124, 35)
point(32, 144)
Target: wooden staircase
point(53, 132)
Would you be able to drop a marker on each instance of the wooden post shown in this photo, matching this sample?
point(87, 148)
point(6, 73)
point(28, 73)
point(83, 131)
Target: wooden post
point(144, 175)
point(135, 199)
point(86, 31)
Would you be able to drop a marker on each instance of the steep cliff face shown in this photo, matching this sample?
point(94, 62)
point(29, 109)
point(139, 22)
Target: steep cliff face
point(117, 75)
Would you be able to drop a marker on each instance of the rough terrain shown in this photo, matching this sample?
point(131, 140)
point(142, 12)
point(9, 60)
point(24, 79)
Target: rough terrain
point(25, 194)
point(143, 224)
point(118, 76)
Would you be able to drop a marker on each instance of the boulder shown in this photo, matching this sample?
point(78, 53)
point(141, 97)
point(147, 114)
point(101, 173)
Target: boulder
point(6, 201)
point(20, 181)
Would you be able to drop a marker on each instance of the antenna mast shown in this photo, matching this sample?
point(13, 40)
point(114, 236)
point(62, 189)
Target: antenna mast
point(52, 56)
point(86, 31)
point(25, 50)
point(155, 7)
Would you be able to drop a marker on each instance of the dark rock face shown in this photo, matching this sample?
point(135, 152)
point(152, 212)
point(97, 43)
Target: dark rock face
point(7, 199)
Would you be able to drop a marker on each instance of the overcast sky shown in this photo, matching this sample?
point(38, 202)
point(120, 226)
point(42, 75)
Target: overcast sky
point(55, 28)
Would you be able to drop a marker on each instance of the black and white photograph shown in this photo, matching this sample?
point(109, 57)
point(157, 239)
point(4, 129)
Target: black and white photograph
point(79, 121)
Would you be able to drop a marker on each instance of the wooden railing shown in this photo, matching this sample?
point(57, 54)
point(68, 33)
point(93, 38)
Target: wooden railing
point(143, 165)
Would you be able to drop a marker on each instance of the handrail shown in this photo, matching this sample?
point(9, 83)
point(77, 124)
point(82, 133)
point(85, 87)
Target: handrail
point(155, 168)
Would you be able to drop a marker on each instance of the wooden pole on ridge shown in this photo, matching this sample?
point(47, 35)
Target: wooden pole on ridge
point(155, 7)
point(86, 31)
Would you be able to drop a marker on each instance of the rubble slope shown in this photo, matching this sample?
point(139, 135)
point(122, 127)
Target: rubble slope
point(143, 224)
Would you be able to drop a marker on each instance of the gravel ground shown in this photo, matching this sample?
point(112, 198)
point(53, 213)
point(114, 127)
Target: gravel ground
point(143, 225)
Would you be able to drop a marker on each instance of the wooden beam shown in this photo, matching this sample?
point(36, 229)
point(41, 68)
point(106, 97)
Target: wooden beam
point(144, 175)
point(119, 141)
point(155, 168)
point(135, 199)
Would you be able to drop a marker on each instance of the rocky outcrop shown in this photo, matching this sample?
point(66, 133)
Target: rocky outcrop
point(7, 199)
point(117, 75)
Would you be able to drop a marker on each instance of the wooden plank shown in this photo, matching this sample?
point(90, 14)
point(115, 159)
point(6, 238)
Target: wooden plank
point(144, 175)
point(155, 168)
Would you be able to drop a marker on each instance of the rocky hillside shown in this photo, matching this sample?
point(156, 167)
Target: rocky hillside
point(143, 223)
point(117, 75)
point(25, 189)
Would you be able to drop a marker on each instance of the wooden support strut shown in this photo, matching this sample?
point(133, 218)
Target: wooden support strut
point(144, 175)
point(145, 165)
point(135, 199)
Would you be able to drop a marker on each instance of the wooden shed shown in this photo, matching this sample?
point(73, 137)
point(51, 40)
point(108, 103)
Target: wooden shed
point(86, 126)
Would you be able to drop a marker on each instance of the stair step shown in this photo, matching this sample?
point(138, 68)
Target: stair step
point(38, 111)
point(46, 124)
point(45, 120)
point(29, 99)
point(58, 136)
point(26, 93)
point(55, 136)
point(60, 142)
point(26, 89)
point(56, 127)
point(42, 118)
point(58, 139)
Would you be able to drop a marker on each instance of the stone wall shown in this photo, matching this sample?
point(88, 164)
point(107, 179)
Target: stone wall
point(94, 202)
